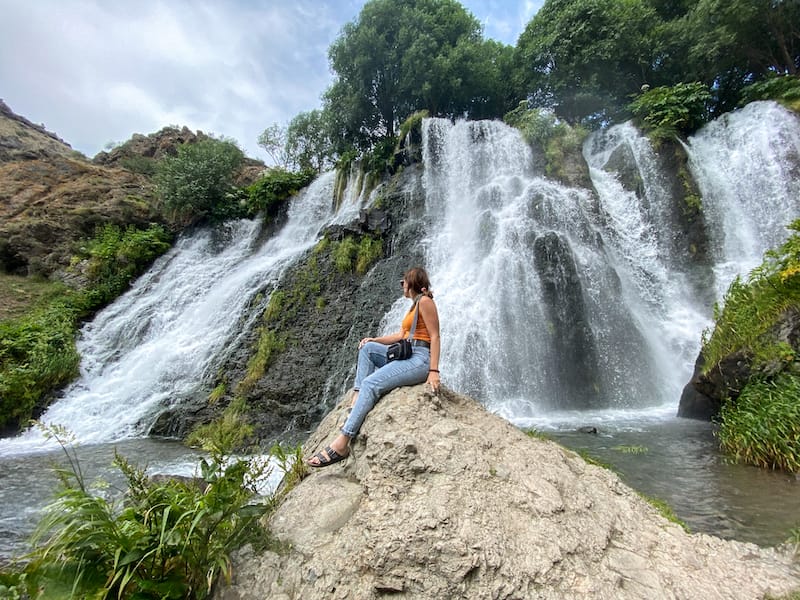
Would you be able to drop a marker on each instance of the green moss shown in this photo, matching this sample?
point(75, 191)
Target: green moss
point(665, 510)
point(344, 254)
point(269, 344)
point(350, 256)
point(228, 432)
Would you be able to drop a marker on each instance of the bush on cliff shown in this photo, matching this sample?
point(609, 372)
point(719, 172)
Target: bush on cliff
point(196, 184)
point(761, 425)
point(667, 112)
point(268, 193)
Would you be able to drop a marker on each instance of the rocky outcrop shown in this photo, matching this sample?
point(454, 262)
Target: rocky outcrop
point(440, 499)
point(20, 139)
point(703, 396)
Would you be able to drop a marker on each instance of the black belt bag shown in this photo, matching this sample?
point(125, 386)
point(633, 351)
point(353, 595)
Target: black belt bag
point(403, 349)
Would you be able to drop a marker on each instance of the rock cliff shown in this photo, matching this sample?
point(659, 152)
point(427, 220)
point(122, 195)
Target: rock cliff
point(441, 499)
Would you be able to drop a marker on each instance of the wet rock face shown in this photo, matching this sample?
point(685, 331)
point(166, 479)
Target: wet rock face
point(573, 350)
point(326, 313)
point(441, 499)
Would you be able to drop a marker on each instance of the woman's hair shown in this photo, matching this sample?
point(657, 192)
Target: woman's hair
point(417, 279)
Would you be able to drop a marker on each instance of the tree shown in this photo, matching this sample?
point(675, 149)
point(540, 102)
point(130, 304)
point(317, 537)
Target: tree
point(401, 56)
point(194, 184)
point(584, 58)
point(308, 140)
point(274, 141)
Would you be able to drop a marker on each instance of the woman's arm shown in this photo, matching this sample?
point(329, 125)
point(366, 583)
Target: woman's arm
point(429, 313)
point(387, 339)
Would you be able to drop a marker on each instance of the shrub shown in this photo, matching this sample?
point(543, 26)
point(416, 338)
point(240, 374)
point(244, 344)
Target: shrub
point(762, 427)
point(160, 540)
point(114, 257)
point(229, 431)
point(543, 129)
point(268, 193)
point(37, 355)
point(344, 253)
point(369, 251)
point(195, 183)
point(780, 88)
point(37, 349)
point(670, 111)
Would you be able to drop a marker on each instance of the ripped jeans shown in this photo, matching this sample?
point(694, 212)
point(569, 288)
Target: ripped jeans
point(375, 377)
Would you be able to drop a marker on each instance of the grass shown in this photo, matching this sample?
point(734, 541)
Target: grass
point(37, 337)
point(18, 295)
point(762, 427)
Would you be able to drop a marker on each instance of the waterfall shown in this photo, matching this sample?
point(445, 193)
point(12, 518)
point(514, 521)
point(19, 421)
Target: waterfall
point(540, 304)
point(747, 164)
point(161, 341)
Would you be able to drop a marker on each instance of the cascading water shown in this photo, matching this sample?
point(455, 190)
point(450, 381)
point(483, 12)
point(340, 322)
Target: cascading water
point(747, 164)
point(544, 305)
point(159, 343)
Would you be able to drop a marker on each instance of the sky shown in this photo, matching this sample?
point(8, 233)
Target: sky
point(94, 72)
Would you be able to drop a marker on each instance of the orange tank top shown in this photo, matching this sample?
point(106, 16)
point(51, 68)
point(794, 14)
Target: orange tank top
point(421, 332)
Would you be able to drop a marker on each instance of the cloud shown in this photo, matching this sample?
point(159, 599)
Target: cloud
point(95, 71)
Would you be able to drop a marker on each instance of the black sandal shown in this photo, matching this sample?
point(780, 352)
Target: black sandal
point(332, 457)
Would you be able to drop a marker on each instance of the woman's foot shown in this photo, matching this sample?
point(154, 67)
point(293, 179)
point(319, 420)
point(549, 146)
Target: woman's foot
point(326, 457)
point(336, 452)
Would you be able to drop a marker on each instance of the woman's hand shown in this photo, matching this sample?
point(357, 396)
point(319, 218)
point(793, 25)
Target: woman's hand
point(434, 381)
point(364, 341)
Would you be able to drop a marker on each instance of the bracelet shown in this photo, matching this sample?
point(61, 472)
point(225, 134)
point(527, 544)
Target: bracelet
point(433, 370)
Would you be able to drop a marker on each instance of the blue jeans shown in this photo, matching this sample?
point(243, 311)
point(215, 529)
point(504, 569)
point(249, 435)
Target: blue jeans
point(375, 377)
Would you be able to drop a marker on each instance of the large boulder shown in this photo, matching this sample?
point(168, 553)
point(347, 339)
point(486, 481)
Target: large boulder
point(441, 499)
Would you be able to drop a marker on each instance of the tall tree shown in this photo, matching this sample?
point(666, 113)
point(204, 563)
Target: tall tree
point(586, 57)
point(308, 140)
point(400, 56)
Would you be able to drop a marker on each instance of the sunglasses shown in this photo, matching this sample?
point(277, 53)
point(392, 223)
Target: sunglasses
point(402, 283)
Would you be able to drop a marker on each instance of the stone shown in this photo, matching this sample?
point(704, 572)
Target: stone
point(441, 499)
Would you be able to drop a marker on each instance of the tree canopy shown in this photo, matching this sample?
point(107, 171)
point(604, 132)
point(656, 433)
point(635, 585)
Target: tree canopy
point(589, 61)
point(400, 56)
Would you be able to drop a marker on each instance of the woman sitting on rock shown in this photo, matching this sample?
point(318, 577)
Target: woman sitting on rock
point(376, 376)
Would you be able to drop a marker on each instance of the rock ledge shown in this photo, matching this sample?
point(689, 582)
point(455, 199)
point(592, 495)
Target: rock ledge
point(441, 499)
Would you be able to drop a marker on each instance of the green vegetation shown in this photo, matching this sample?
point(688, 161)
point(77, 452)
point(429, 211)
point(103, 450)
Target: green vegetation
point(349, 256)
point(196, 183)
point(543, 129)
point(750, 310)
point(113, 258)
point(269, 344)
point(668, 112)
point(761, 426)
point(166, 539)
point(37, 355)
point(784, 89)
point(268, 193)
point(665, 510)
point(229, 432)
point(588, 62)
point(37, 349)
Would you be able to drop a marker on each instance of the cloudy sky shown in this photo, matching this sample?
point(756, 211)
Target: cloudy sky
point(95, 72)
